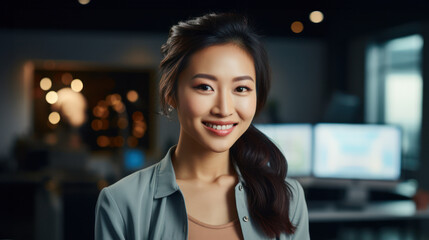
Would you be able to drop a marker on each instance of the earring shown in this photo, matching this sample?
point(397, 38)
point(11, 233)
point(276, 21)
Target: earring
point(170, 108)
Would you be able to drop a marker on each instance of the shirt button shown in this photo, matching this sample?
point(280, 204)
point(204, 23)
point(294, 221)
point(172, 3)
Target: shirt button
point(240, 187)
point(245, 218)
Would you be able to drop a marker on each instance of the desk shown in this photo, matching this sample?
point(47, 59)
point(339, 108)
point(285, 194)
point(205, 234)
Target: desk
point(399, 217)
point(380, 211)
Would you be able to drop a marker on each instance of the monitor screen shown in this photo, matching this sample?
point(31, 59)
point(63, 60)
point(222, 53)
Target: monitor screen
point(357, 151)
point(294, 140)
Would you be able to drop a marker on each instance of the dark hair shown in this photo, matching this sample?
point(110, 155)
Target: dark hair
point(262, 165)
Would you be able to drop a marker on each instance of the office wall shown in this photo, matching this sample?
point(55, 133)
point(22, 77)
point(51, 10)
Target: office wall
point(297, 69)
point(423, 177)
point(298, 78)
point(355, 82)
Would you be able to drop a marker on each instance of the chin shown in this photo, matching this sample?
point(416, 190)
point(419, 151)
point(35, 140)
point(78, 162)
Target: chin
point(220, 149)
point(219, 146)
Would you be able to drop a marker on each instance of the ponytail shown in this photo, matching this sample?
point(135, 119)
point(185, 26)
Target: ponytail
point(263, 168)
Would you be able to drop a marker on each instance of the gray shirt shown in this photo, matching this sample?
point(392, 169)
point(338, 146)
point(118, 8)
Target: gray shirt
point(148, 204)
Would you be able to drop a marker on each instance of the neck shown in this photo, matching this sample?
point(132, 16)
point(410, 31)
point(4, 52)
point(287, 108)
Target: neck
point(193, 161)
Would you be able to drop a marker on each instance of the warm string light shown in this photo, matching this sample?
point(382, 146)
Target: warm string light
point(51, 97)
point(316, 16)
point(297, 27)
point(45, 83)
point(72, 106)
point(138, 116)
point(102, 113)
point(139, 124)
point(76, 85)
point(54, 118)
point(103, 141)
point(97, 125)
point(132, 96)
point(61, 99)
point(84, 2)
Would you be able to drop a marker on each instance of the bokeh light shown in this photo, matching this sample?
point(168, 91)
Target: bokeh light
point(316, 16)
point(66, 78)
point(112, 99)
point(103, 141)
point(122, 123)
point(54, 118)
point(84, 2)
point(138, 116)
point(100, 111)
point(102, 103)
point(51, 97)
point(119, 107)
point(139, 129)
point(76, 85)
point(72, 106)
point(97, 124)
point(132, 96)
point(297, 27)
point(45, 83)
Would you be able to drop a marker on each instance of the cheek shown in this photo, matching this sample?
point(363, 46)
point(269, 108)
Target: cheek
point(246, 107)
point(190, 105)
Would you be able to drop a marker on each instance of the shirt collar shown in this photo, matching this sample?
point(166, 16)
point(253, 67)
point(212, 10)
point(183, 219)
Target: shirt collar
point(166, 178)
point(237, 170)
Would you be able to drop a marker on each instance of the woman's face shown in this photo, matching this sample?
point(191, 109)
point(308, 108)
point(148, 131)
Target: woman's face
point(216, 97)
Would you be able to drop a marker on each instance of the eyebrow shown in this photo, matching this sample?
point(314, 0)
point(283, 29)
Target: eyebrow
point(213, 78)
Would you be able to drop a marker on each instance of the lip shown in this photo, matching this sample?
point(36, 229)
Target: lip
point(220, 132)
point(220, 122)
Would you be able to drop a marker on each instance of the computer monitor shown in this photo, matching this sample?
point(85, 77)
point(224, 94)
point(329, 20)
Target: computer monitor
point(294, 140)
point(357, 151)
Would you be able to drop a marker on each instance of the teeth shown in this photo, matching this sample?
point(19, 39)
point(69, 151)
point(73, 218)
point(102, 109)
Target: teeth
point(219, 127)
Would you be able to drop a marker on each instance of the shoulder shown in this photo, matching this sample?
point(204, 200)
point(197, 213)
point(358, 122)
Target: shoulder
point(298, 213)
point(297, 199)
point(294, 186)
point(133, 186)
point(117, 204)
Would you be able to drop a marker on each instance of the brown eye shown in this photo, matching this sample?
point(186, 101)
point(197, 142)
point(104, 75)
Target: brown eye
point(204, 87)
point(242, 89)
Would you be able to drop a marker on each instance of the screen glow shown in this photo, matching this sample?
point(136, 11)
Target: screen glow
point(357, 151)
point(295, 142)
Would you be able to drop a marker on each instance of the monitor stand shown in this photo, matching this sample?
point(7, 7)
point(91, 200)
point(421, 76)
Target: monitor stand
point(356, 196)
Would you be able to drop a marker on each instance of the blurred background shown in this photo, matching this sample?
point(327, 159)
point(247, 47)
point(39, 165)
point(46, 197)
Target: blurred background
point(79, 108)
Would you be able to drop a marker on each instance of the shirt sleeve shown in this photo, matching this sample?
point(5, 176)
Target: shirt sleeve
point(109, 223)
point(300, 216)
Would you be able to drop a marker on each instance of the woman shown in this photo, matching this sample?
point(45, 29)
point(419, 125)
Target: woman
point(224, 179)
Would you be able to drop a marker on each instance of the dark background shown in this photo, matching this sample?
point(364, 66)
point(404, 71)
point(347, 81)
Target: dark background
point(344, 22)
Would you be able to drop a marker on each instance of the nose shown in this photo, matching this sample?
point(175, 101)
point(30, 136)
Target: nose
point(224, 105)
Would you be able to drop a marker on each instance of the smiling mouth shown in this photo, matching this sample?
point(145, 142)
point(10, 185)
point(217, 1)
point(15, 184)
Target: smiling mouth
point(220, 126)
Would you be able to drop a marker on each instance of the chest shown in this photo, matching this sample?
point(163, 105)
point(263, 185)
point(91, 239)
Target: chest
point(168, 218)
point(209, 203)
